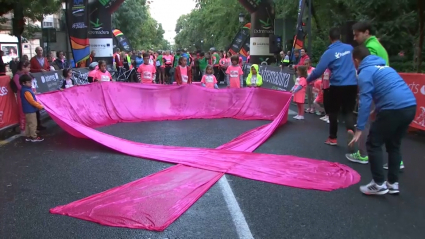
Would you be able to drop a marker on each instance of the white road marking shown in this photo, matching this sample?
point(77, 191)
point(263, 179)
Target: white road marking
point(238, 218)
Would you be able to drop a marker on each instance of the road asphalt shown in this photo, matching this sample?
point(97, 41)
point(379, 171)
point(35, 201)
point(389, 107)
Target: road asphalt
point(35, 177)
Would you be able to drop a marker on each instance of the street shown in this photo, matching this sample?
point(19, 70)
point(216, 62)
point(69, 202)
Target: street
point(35, 177)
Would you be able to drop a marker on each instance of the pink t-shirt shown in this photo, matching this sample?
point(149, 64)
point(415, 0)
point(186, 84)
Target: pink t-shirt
point(234, 73)
point(183, 73)
point(309, 72)
point(168, 60)
point(318, 92)
point(209, 81)
point(299, 97)
point(92, 74)
point(147, 73)
point(102, 76)
point(325, 79)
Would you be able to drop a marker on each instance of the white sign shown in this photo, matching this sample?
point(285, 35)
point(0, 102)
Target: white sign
point(103, 47)
point(259, 46)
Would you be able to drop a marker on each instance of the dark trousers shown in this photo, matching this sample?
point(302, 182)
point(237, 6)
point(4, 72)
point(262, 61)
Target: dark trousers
point(217, 73)
point(389, 127)
point(326, 100)
point(341, 98)
point(38, 118)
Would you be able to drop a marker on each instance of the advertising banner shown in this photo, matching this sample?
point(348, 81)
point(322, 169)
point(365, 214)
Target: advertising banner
point(274, 77)
point(77, 19)
point(416, 82)
point(100, 30)
point(122, 41)
point(262, 26)
point(240, 39)
point(8, 107)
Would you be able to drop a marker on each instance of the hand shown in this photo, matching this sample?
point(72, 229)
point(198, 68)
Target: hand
point(356, 138)
point(43, 70)
point(372, 116)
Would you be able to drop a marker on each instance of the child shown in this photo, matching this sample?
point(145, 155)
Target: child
point(67, 81)
point(93, 67)
point(317, 90)
point(209, 80)
point(147, 71)
point(102, 74)
point(325, 89)
point(254, 78)
point(309, 89)
point(299, 90)
point(30, 106)
point(183, 73)
point(234, 74)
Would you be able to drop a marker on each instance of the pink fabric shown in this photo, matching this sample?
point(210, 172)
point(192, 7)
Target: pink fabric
point(135, 205)
point(234, 73)
point(299, 97)
point(147, 73)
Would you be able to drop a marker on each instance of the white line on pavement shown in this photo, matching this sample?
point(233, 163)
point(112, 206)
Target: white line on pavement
point(238, 218)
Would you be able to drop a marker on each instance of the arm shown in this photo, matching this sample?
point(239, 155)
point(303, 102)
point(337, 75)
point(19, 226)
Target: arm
point(176, 76)
point(259, 80)
point(227, 80)
point(189, 75)
point(365, 97)
point(16, 80)
point(30, 99)
point(63, 84)
point(297, 89)
point(215, 86)
point(321, 67)
point(241, 80)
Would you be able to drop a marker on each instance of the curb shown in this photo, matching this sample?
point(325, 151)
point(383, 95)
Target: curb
point(11, 131)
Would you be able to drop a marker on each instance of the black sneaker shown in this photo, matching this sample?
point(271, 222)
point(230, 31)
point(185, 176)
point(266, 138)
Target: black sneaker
point(393, 188)
point(37, 139)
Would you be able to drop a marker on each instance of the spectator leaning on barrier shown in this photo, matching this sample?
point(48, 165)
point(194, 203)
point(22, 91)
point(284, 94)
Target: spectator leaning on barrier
point(343, 84)
point(39, 63)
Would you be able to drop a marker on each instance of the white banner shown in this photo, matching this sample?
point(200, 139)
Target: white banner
point(103, 47)
point(259, 46)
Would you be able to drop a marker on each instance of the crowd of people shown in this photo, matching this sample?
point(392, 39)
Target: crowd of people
point(344, 76)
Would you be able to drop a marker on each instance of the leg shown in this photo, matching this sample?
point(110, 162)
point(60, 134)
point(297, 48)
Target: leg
point(374, 143)
point(362, 141)
point(31, 120)
point(310, 98)
point(393, 143)
point(21, 113)
point(348, 98)
point(334, 106)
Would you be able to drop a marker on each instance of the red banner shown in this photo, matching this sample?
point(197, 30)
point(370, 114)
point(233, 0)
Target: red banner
point(416, 83)
point(8, 108)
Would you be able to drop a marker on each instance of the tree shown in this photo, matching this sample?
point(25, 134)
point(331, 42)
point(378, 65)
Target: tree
point(214, 22)
point(134, 20)
point(33, 10)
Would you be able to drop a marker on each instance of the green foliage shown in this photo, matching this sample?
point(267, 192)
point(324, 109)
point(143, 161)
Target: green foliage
point(143, 32)
point(215, 22)
point(33, 10)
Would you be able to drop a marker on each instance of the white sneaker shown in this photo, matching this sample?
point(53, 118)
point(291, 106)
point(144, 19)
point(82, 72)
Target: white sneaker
point(327, 121)
point(374, 189)
point(323, 118)
point(393, 188)
point(300, 117)
point(296, 116)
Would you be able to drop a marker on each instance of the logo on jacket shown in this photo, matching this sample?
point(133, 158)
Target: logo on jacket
point(3, 91)
point(341, 54)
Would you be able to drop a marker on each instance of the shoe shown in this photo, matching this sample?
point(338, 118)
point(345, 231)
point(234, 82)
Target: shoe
point(401, 165)
point(27, 139)
point(330, 141)
point(37, 139)
point(300, 117)
point(374, 189)
point(323, 118)
point(357, 158)
point(296, 116)
point(350, 136)
point(393, 188)
point(307, 110)
point(327, 121)
point(312, 111)
point(319, 113)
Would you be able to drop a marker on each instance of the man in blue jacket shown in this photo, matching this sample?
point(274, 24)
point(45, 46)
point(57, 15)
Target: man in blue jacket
point(395, 109)
point(343, 84)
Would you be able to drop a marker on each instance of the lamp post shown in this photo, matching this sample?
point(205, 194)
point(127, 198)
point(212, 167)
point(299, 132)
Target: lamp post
point(241, 18)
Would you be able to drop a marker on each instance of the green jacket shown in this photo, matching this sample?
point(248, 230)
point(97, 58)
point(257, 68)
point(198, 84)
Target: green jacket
point(259, 81)
point(203, 63)
point(376, 48)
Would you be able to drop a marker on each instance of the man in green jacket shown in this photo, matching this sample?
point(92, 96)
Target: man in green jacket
point(363, 34)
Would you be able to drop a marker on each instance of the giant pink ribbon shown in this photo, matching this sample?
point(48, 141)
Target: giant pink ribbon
point(156, 201)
